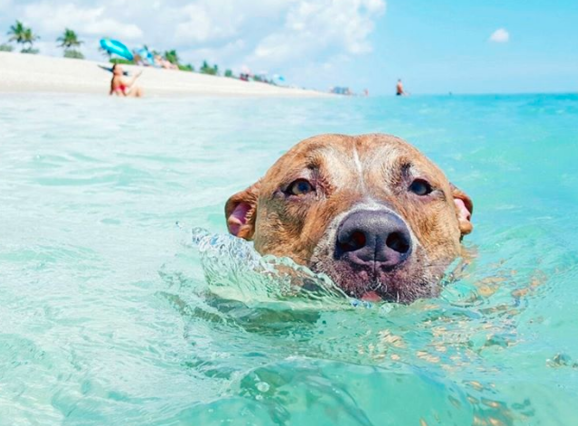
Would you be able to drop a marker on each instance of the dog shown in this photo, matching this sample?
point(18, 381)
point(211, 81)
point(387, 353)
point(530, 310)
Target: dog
point(370, 211)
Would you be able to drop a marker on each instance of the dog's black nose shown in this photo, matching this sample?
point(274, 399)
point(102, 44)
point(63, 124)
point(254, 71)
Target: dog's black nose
point(368, 236)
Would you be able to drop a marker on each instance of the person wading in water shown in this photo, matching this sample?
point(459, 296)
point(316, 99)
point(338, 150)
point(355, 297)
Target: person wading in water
point(399, 89)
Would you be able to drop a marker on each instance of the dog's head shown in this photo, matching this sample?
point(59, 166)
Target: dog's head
point(370, 211)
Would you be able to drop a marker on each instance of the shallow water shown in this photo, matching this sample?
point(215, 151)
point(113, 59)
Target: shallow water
point(117, 309)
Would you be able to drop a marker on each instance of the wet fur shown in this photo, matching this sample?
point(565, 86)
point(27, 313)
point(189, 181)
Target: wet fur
point(349, 172)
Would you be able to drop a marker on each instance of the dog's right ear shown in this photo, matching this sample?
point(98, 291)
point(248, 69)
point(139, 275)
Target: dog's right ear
point(241, 212)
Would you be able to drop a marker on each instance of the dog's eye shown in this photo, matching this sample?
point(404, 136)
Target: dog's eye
point(420, 187)
point(299, 187)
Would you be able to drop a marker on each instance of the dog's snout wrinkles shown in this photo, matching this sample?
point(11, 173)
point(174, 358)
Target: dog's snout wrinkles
point(375, 238)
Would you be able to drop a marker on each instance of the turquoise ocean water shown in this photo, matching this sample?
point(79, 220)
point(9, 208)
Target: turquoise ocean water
point(116, 309)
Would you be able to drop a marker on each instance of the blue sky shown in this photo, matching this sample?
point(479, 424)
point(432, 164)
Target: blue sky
point(434, 46)
point(444, 46)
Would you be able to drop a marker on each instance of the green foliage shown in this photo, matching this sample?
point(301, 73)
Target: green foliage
point(228, 73)
point(16, 32)
point(24, 36)
point(187, 67)
point(30, 51)
point(6, 48)
point(207, 69)
point(29, 38)
point(121, 61)
point(73, 54)
point(257, 78)
point(69, 40)
point(172, 56)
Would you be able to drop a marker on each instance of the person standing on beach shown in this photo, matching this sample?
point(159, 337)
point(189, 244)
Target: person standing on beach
point(121, 87)
point(399, 89)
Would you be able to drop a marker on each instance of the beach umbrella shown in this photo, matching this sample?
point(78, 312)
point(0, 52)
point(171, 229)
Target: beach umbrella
point(146, 56)
point(117, 48)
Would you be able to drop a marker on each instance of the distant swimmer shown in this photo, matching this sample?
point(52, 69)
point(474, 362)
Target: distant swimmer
point(399, 89)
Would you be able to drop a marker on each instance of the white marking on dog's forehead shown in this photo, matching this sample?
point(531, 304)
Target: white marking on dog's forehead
point(356, 163)
point(386, 155)
point(359, 168)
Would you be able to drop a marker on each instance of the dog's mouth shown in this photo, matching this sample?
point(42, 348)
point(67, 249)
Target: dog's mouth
point(415, 279)
point(401, 284)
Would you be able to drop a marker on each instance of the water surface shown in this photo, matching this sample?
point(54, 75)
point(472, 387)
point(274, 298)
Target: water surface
point(114, 312)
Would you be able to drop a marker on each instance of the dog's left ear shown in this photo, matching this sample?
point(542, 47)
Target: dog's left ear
point(464, 209)
point(240, 212)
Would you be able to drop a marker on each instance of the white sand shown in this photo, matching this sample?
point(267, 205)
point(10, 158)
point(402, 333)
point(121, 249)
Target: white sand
point(36, 73)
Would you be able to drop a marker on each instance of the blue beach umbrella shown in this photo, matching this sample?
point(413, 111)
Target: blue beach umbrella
point(146, 56)
point(117, 48)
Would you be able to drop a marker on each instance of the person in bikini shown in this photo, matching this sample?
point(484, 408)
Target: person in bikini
point(122, 87)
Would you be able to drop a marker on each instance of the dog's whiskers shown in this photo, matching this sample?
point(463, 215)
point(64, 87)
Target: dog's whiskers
point(376, 285)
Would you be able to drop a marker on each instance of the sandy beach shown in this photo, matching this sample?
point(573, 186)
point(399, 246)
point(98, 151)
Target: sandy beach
point(37, 73)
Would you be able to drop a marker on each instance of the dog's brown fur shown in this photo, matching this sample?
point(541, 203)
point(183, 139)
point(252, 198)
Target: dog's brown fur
point(347, 171)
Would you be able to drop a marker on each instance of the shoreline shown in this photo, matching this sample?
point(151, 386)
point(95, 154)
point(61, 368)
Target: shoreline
point(26, 73)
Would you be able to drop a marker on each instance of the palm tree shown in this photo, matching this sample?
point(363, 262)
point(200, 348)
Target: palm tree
point(28, 37)
point(211, 70)
point(16, 32)
point(23, 35)
point(69, 39)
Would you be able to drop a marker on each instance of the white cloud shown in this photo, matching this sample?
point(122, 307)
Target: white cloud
point(500, 36)
point(314, 26)
point(209, 20)
point(52, 19)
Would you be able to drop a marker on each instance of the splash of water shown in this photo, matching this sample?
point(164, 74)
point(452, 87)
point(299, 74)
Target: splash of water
point(235, 271)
